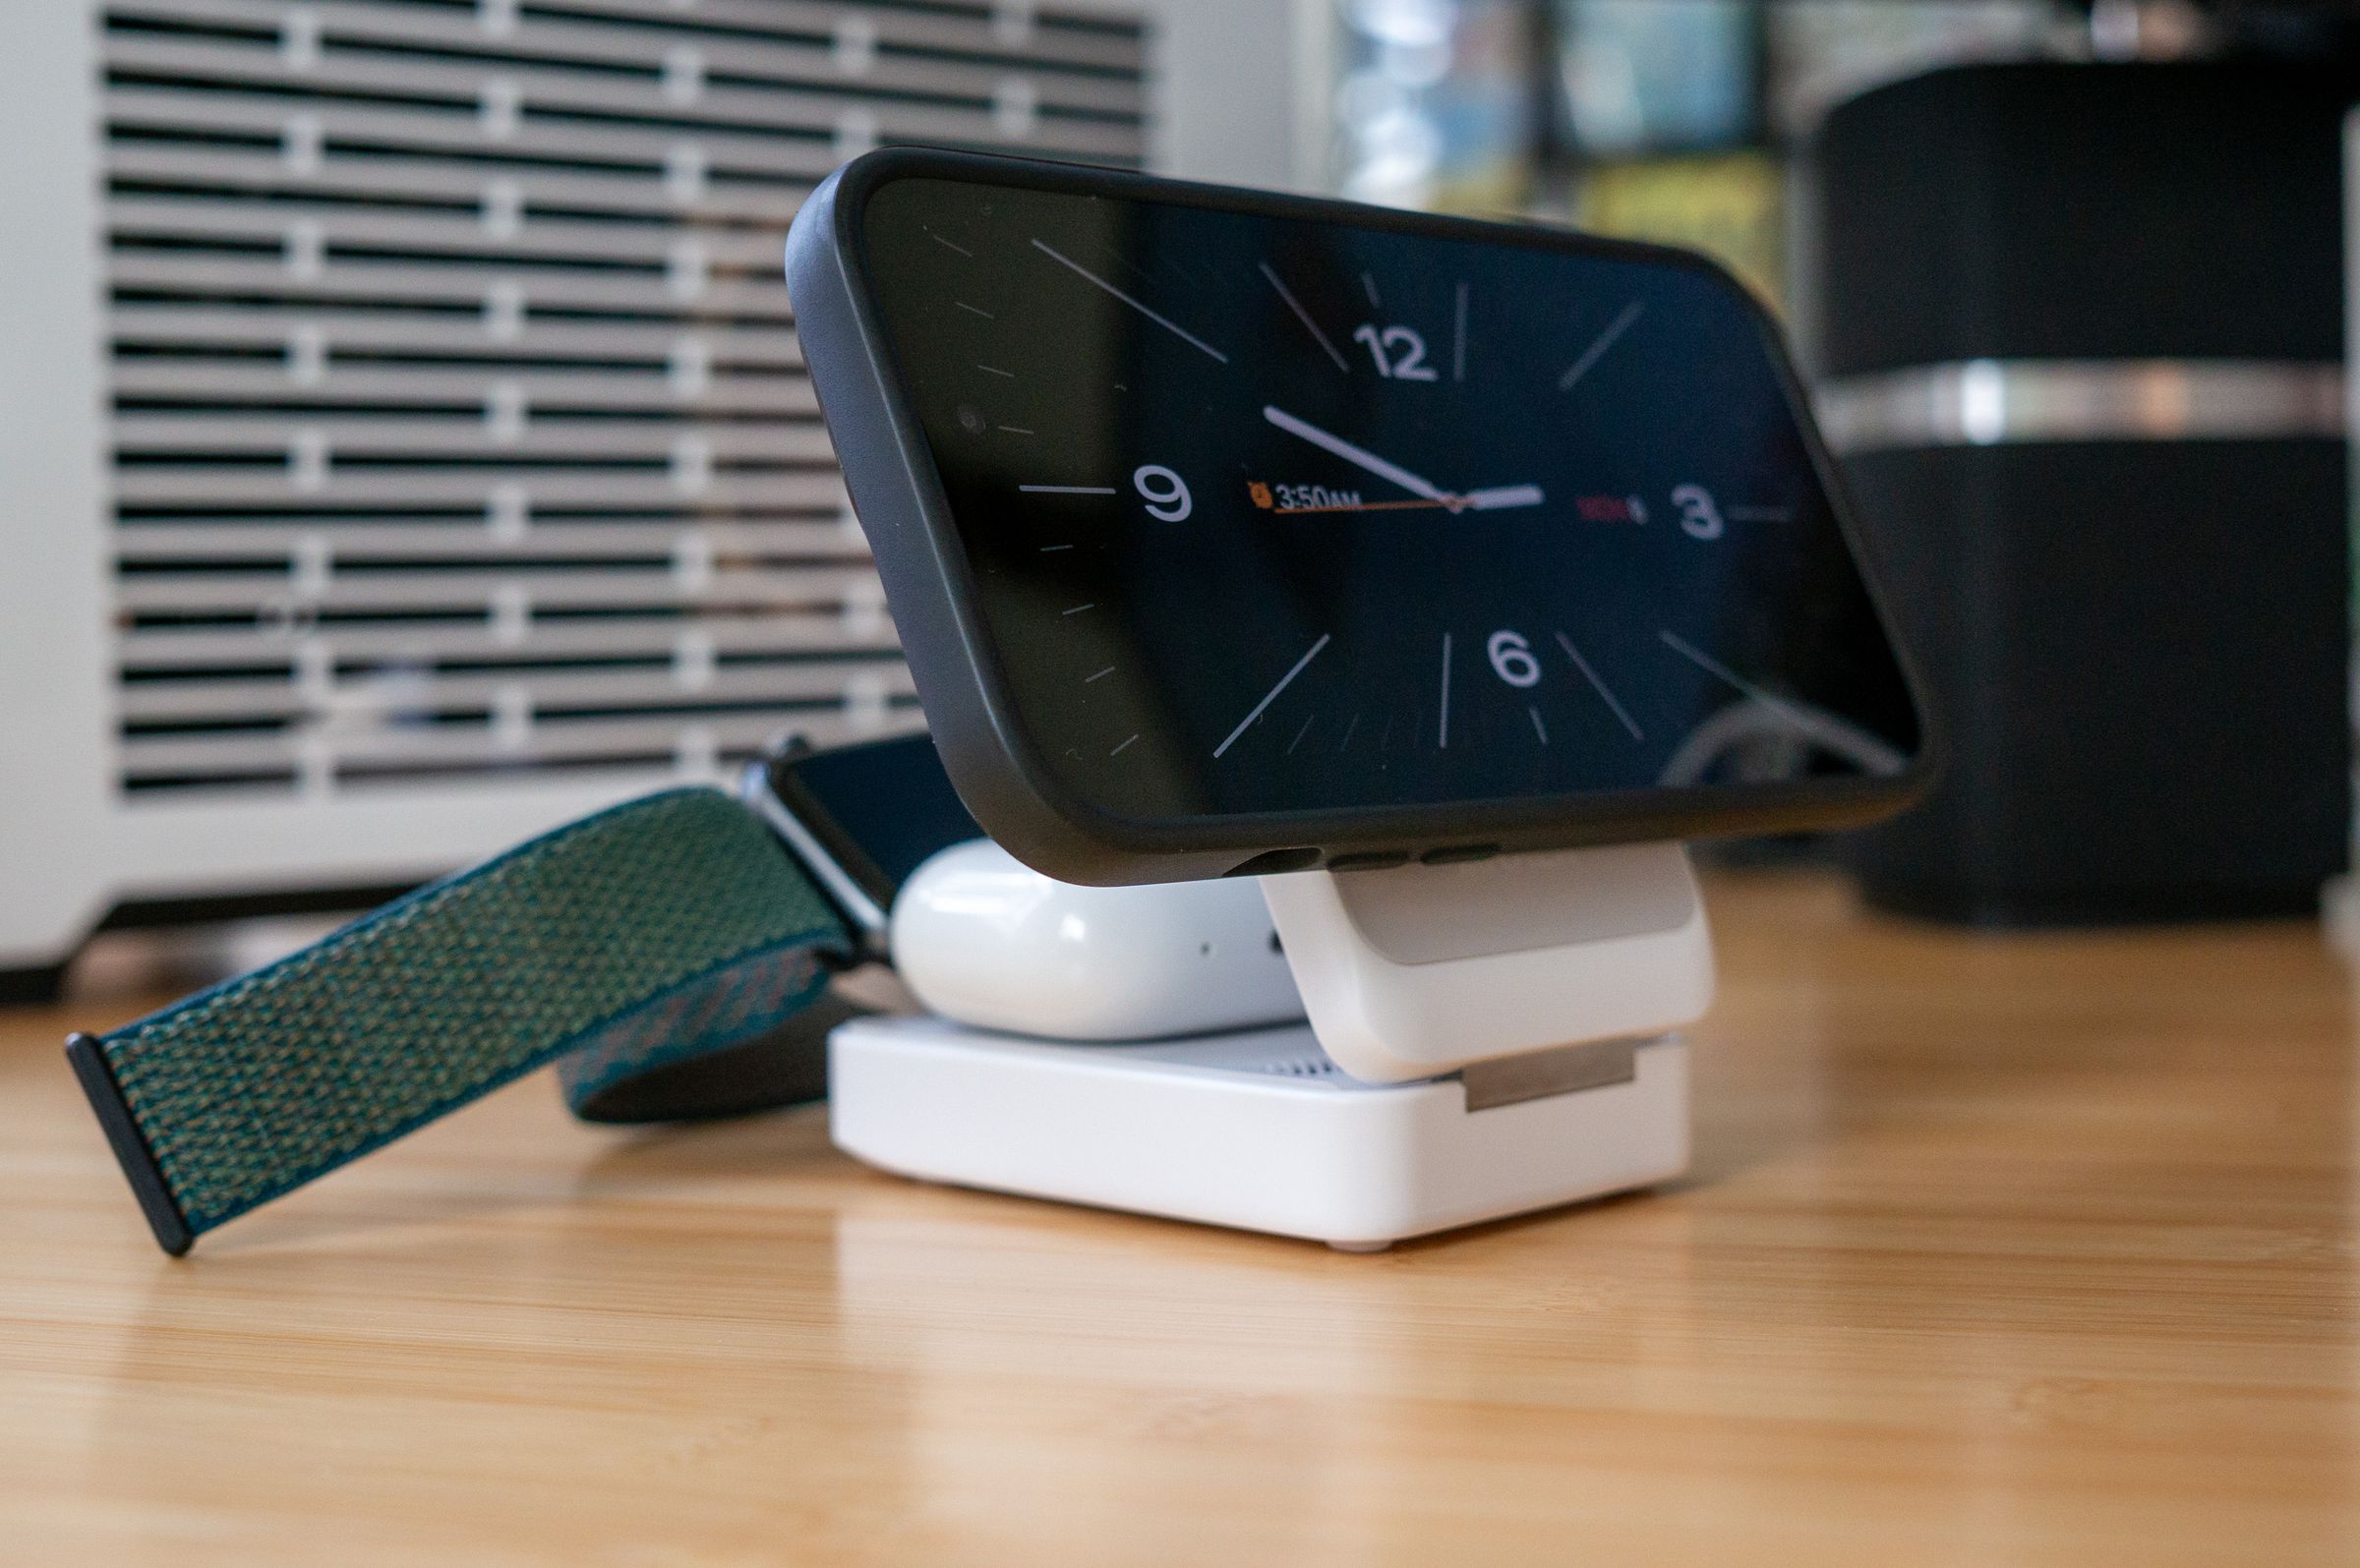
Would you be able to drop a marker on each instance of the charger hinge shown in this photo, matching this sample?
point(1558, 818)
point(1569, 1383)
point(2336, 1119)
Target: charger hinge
point(1538, 1075)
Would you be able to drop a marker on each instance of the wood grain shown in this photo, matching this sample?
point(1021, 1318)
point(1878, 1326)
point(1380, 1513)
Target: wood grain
point(1999, 1250)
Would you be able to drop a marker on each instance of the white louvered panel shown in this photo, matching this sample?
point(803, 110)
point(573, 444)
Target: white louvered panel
point(550, 692)
point(305, 134)
point(254, 594)
point(552, 391)
point(161, 652)
point(460, 424)
point(1010, 34)
point(714, 198)
point(442, 750)
point(451, 239)
point(670, 54)
point(380, 333)
point(377, 541)
point(546, 91)
point(470, 283)
point(399, 434)
point(192, 488)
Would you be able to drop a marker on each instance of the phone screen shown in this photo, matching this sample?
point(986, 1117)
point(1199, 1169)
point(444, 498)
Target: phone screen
point(1271, 515)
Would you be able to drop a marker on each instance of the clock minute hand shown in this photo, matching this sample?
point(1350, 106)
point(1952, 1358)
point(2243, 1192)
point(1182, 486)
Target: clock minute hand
point(1360, 457)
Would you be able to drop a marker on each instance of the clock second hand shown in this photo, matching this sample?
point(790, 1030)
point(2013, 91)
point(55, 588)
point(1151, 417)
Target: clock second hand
point(1491, 499)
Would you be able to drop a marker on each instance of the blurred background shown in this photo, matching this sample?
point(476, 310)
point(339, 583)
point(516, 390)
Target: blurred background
point(404, 446)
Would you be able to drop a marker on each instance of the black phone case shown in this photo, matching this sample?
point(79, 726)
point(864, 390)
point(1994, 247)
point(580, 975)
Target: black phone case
point(897, 492)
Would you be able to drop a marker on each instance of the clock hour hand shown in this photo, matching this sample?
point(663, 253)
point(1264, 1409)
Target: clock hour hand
point(1360, 457)
point(1499, 495)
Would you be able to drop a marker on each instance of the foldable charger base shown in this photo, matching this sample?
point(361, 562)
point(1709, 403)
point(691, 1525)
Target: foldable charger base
point(1483, 1040)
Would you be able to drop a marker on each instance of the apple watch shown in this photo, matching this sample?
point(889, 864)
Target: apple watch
point(1236, 533)
point(670, 955)
point(860, 820)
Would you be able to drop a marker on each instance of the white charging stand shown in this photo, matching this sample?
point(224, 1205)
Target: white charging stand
point(1483, 1039)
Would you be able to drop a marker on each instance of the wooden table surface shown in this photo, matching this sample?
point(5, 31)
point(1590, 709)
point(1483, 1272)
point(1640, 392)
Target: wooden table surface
point(1998, 1250)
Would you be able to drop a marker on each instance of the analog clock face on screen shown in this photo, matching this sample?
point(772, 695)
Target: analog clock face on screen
point(1268, 515)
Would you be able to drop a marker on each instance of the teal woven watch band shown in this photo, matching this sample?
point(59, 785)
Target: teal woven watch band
point(662, 929)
